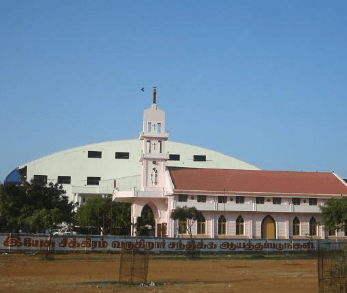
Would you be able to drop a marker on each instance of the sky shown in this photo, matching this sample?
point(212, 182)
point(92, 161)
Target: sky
point(262, 81)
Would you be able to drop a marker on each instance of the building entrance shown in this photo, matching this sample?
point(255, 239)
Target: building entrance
point(268, 228)
point(146, 223)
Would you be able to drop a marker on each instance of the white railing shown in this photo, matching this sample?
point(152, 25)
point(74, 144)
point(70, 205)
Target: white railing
point(149, 193)
point(243, 207)
point(272, 208)
point(201, 206)
point(306, 209)
point(85, 189)
point(122, 194)
point(128, 183)
point(106, 186)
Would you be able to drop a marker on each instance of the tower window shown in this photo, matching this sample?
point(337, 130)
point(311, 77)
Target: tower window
point(122, 155)
point(154, 177)
point(94, 154)
point(199, 158)
point(93, 180)
point(149, 127)
point(148, 146)
point(173, 157)
point(64, 179)
point(159, 127)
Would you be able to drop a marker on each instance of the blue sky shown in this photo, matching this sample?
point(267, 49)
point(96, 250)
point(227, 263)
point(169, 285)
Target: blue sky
point(262, 81)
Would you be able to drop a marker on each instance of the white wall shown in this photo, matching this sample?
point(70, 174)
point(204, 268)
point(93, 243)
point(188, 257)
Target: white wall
point(75, 163)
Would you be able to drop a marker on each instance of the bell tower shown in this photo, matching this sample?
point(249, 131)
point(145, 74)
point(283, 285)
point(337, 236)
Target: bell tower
point(153, 157)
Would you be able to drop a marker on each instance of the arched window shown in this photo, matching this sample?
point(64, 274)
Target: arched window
point(240, 226)
point(313, 227)
point(296, 227)
point(221, 225)
point(154, 176)
point(149, 146)
point(201, 226)
point(182, 227)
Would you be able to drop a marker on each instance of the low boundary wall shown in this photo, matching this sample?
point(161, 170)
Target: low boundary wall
point(82, 243)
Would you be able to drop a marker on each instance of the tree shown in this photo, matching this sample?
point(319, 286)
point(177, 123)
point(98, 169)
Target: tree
point(334, 214)
point(188, 216)
point(34, 206)
point(105, 215)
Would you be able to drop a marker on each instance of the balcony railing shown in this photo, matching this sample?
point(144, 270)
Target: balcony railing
point(138, 193)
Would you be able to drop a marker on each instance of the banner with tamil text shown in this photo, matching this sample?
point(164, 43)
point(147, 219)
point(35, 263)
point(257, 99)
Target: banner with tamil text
point(29, 242)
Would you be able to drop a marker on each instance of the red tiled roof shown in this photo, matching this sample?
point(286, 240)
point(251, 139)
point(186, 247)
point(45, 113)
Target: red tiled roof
point(256, 181)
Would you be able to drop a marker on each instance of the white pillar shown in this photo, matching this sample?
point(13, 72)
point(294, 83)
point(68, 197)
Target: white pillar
point(287, 227)
point(212, 234)
point(250, 235)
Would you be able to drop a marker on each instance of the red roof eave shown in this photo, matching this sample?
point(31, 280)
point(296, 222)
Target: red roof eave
point(271, 194)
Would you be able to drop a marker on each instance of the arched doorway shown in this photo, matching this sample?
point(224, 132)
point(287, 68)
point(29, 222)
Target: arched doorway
point(146, 223)
point(268, 228)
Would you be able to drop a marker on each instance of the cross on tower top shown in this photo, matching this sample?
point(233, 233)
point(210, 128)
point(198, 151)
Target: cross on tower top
point(154, 95)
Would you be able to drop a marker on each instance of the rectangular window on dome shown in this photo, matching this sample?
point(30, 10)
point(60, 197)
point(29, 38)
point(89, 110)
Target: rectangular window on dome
point(42, 179)
point(122, 155)
point(94, 154)
point(93, 180)
point(173, 157)
point(199, 158)
point(64, 179)
point(23, 173)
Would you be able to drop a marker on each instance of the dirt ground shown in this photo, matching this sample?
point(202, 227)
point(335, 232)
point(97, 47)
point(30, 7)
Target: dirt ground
point(99, 273)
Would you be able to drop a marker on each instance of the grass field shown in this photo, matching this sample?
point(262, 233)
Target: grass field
point(99, 273)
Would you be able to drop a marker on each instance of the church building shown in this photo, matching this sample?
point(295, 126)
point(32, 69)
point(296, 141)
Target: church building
point(236, 203)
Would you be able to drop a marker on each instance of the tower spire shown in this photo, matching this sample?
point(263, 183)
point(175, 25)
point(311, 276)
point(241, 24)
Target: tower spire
point(154, 95)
